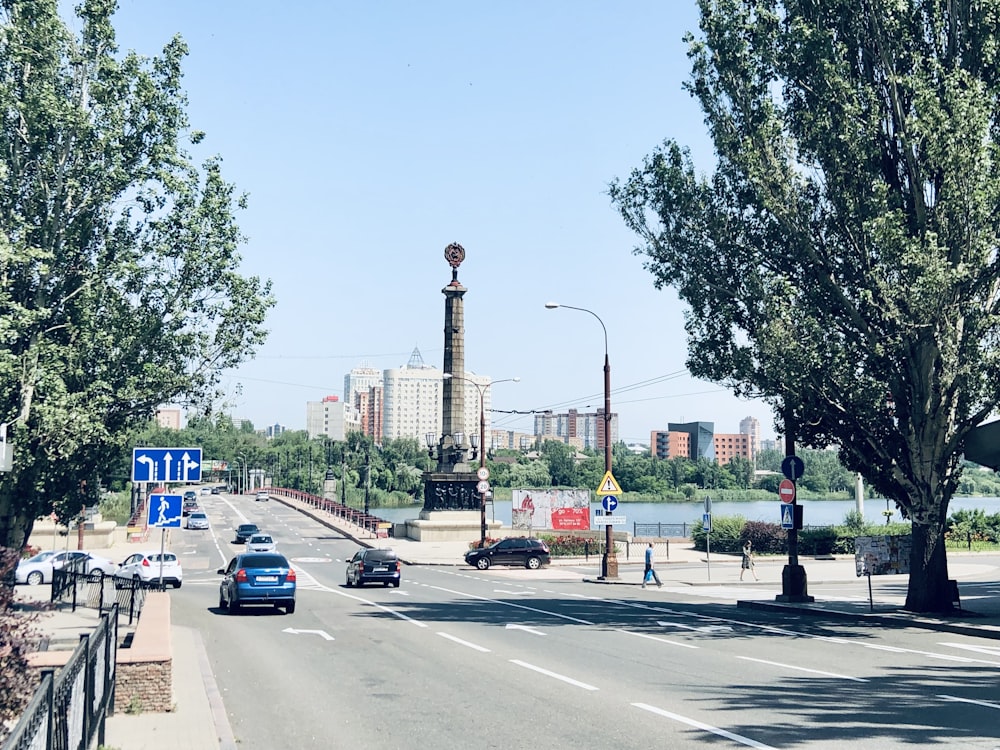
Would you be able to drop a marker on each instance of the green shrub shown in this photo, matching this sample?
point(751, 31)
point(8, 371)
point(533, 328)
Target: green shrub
point(570, 545)
point(727, 534)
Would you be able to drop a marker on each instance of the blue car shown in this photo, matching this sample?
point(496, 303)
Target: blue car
point(257, 578)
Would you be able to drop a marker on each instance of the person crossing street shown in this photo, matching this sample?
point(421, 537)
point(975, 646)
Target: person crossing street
point(649, 571)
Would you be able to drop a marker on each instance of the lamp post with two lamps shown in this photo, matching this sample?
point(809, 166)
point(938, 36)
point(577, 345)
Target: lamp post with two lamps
point(609, 563)
point(483, 475)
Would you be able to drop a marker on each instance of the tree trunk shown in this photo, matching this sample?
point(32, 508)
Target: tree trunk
point(14, 527)
point(929, 589)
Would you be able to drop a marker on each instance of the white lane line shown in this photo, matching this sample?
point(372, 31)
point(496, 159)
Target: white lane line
point(564, 678)
point(706, 727)
point(525, 628)
point(955, 699)
point(657, 638)
point(464, 643)
point(803, 669)
point(512, 604)
point(991, 650)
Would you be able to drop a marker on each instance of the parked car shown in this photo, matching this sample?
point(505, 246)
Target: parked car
point(38, 569)
point(198, 520)
point(257, 578)
point(244, 531)
point(261, 543)
point(145, 568)
point(261, 496)
point(531, 553)
point(373, 566)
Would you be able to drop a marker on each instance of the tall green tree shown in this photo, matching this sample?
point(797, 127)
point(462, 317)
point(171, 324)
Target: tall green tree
point(841, 261)
point(119, 280)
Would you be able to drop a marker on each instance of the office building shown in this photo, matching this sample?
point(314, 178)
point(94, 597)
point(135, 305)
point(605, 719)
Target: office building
point(581, 430)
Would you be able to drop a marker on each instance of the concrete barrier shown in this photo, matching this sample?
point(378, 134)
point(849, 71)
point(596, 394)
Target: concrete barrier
point(144, 675)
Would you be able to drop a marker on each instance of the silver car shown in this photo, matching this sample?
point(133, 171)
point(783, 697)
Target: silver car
point(197, 520)
point(261, 543)
point(38, 569)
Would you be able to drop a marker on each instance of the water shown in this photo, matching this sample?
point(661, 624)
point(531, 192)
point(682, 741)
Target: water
point(815, 512)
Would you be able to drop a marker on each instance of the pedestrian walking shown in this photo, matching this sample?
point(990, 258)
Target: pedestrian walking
point(747, 563)
point(649, 572)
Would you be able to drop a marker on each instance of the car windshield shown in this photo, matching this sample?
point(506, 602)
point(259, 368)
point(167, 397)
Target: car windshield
point(264, 560)
point(380, 555)
point(41, 557)
point(168, 557)
point(248, 528)
point(198, 515)
point(260, 539)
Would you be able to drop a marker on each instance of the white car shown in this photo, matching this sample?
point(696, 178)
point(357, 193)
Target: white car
point(197, 520)
point(262, 496)
point(38, 569)
point(147, 567)
point(261, 543)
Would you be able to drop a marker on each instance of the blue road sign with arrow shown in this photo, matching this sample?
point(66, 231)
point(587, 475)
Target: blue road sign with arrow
point(164, 511)
point(610, 503)
point(166, 464)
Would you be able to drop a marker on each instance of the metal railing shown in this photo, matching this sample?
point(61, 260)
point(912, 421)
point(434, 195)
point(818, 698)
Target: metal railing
point(663, 530)
point(72, 585)
point(69, 707)
point(367, 521)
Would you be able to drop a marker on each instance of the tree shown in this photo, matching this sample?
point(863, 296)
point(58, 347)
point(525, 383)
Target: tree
point(119, 283)
point(841, 261)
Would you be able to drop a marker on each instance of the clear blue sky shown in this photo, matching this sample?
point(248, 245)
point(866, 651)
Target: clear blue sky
point(369, 136)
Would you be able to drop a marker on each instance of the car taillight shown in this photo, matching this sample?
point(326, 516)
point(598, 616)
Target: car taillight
point(241, 575)
point(290, 576)
point(145, 562)
point(398, 568)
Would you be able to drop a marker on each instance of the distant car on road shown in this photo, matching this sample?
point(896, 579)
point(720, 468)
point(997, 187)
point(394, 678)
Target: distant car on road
point(261, 543)
point(531, 553)
point(262, 496)
point(198, 520)
point(257, 578)
point(145, 569)
point(373, 566)
point(214, 490)
point(206, 490)
point(244, 531)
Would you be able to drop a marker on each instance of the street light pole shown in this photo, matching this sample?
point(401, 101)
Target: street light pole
point(609, 563)
point(482, 443)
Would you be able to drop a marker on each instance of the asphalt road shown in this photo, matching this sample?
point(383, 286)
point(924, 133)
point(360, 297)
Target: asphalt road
point(457, 658)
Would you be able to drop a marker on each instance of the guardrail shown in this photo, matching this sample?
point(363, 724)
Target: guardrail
point(72, 585)
point(69, 708)
point(372, 523)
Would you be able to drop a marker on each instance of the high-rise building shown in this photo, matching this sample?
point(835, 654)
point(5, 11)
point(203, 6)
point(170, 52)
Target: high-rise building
point(361, 380)
point(169, 418)
point(273, 430)
point(586, 430)
point(696, 440)
point(750, 426)
point(331, 417)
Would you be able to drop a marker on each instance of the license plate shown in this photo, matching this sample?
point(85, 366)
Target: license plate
point(379, 570)
point(267, 579)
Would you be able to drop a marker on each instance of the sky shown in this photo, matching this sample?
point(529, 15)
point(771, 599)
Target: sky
point(369, 136)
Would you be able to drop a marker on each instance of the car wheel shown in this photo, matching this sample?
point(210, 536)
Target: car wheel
point(96, 576)
point(234, 607)
point(385, 584)
point(177, 585)
point(35, 577)
point(533, 563)
point(348, 581)
point(395, 584)
point(222, 601)
point(290, 608)
point(483, 563)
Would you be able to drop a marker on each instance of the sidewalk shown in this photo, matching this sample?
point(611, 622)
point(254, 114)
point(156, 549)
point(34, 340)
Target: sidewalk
point(199, 721)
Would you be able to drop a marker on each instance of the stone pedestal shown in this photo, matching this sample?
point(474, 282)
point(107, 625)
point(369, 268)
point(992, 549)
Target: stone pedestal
point(448, 526)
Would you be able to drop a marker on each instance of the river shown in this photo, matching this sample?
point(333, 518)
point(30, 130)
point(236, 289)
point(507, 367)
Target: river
point(815, 512)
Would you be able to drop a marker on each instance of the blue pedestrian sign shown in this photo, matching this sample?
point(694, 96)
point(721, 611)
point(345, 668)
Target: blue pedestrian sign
point(164, 511)
point(166, 464)
point(609, 502)
point(787, 516)
point(706, 522)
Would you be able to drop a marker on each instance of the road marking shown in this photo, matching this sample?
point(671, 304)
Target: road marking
point(512, 604)
point(322, 633)
point(657, 638)
point(511, 626)
point(803, 669)
point(699, 629)
point(464, 643)
point(992, 651)
point(956, 699)
point(556, 675)
point(707, 727)
point(513, 593)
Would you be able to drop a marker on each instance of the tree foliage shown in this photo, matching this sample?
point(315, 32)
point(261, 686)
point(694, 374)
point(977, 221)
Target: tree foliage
point(841, 262)
point(119, 281)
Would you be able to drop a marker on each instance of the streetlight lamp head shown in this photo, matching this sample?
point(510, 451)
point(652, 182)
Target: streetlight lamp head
point(551, 305)
point(516, 380)
point(447, 375)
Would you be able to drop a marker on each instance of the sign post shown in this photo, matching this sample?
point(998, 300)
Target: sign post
point(609, 490)
point(794, 587)
point(706, 524)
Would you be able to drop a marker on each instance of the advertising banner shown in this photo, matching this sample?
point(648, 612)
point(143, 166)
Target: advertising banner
point(882, 555)
point(558, 510)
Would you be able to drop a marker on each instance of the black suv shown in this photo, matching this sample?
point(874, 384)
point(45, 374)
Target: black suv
point(244, 531)
point(373, 566)
point(531, 553)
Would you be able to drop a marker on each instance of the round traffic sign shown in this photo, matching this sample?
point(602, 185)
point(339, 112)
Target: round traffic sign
point(792, 467)
point(610, 502)
point(482, 486)
point(786, 491)
point(483, 473)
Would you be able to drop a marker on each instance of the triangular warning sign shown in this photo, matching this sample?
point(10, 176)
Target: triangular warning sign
point(608, 485)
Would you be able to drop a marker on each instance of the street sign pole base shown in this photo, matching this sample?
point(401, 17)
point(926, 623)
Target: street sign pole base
point(794, 587)
point(609, 567)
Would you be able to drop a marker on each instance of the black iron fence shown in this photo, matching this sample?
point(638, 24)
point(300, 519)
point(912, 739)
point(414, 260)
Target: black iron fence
point(68, 710)
point(73, 585)
point(663, 530)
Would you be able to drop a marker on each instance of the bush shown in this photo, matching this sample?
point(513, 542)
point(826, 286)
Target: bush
point(727, 534)
point(569, 545)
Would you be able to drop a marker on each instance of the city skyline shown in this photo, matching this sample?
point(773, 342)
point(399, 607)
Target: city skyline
point(372, 136)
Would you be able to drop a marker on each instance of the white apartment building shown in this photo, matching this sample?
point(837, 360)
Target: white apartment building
point(331, 417)
point(751, 426)
point(360, 380)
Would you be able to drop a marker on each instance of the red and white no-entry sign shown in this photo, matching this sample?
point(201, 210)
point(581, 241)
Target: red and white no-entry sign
point(786, 491)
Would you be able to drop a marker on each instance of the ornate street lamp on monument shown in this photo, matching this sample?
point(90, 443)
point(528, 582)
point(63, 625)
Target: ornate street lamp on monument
point(609, 562)
point(483, 474)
